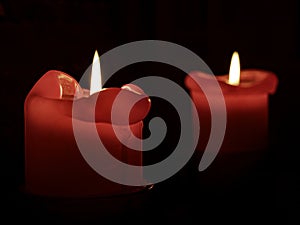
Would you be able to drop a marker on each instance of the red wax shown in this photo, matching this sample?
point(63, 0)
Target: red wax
point(246, 108)
point(54, 165)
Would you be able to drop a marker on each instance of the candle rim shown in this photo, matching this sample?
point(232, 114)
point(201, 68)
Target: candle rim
point(268, 85)
point(48, 88)
point(53, 78)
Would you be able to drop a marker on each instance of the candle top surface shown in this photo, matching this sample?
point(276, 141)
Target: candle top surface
point(252, 81)
point(61, 91)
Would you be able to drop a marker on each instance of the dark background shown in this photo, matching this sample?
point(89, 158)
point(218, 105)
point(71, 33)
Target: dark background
point(36, 36)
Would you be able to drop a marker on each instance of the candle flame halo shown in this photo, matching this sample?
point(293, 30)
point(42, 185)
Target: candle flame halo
point(235, 70)
point(96, 77)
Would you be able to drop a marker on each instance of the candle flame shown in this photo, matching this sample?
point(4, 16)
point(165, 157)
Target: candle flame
point(96, 80)
point(234, 71)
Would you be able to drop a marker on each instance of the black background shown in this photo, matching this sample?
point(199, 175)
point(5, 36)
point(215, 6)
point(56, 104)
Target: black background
point(36, 36)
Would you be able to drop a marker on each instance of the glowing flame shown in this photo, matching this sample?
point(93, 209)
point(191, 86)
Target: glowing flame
point(234, 71)
point(96, 80)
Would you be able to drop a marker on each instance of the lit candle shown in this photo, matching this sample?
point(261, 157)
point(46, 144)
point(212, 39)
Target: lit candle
point(246, 95)
point(54, 165)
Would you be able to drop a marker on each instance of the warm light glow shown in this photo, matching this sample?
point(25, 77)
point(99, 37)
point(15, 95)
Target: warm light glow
point(234, 71)
point(96, 80)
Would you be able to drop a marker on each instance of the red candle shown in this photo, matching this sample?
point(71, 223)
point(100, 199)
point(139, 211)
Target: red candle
point(246, 95)
point(54, 165)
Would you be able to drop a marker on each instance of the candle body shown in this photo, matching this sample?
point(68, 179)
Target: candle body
point(54, 165)
point(246, 126)
point(246, 136)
